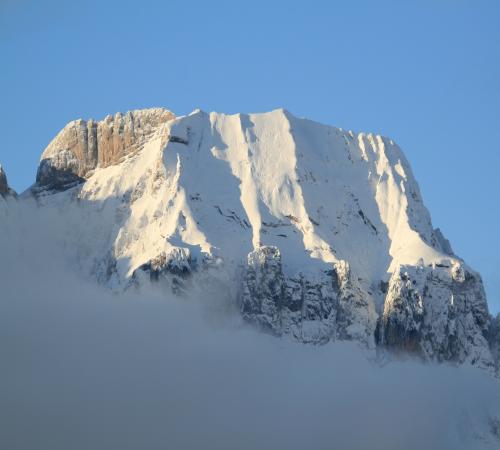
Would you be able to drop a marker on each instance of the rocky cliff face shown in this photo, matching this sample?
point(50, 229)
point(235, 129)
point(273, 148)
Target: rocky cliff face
point(439, 313)
point(4, 186)
point(82, 146)
point(317, 309)
point(494, 339)
point(314, 232)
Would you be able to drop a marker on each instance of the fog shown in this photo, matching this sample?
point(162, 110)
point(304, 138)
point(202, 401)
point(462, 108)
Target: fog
point(83, 368)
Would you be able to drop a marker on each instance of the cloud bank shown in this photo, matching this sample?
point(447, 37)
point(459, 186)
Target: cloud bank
point(83, 368)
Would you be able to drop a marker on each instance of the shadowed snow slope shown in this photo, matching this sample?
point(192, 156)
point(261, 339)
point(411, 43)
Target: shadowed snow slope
point(317, 233)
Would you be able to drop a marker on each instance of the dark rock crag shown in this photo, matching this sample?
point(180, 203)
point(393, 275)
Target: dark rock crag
point(5, 190)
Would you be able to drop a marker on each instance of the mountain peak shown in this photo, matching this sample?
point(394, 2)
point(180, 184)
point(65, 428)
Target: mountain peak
point(316, 233)
point(4, 185)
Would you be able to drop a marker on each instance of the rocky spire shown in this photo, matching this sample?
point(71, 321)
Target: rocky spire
point(4, 186)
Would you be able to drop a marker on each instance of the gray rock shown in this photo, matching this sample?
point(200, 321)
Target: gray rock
point(440, 241)
point(183, 270)
point(174, 268)
point(439, 313)
point(264, 290)
point(311, 308)
point(494, 340)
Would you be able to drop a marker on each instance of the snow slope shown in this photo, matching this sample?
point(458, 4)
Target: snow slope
point(335, 195)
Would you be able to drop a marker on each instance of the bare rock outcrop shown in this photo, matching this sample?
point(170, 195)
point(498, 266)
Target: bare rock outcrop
point(311, 308)
point(439, 313)
point(494, 339)
point(4, 186)
point(82, 146)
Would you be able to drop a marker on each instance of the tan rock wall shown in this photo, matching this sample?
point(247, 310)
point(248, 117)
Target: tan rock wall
point(81, 146)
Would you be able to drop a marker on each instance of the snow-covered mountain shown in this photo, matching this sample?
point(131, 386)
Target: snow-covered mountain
point(313, 232)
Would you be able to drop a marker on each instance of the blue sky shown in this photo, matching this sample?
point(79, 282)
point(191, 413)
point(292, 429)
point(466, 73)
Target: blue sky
point(425, 73)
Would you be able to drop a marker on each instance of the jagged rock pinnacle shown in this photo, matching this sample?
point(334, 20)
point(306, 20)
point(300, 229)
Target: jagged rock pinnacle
point(4, 186)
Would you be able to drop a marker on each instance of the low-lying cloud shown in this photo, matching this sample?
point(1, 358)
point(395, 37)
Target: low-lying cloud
point(82, 368)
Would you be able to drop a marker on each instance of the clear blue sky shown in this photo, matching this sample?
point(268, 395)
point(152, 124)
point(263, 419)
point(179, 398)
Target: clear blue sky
point(426, 73)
